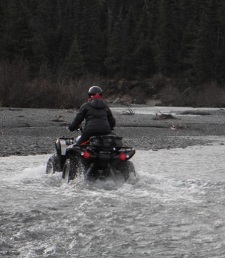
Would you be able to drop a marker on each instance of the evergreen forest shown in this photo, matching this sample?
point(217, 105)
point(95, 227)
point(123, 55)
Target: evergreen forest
point(58, 47)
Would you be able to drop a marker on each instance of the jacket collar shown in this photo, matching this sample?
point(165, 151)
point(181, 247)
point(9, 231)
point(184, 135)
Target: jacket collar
point(96, 96)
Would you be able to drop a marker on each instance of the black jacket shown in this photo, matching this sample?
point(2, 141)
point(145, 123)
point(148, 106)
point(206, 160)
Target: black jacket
point(98, 117)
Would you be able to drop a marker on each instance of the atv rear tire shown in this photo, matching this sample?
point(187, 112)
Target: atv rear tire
point(127, 170)
point(51, 165)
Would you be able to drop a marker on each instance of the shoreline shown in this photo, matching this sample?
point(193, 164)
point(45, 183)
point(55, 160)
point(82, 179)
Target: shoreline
point(33, 131)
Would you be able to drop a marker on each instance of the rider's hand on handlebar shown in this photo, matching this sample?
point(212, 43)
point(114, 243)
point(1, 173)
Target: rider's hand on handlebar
point(80, 129)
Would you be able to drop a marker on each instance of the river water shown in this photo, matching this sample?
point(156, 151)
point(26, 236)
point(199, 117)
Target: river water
point(175, 208)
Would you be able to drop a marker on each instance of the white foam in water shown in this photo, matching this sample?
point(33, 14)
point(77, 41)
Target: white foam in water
point(22, 167)
point(189, 163)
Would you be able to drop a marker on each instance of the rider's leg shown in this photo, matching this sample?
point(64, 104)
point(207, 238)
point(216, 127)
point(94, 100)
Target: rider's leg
point(84, 137)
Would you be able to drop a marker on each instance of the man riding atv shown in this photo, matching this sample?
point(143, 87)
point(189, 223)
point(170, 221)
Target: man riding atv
point(103, 154)
point(98, 117)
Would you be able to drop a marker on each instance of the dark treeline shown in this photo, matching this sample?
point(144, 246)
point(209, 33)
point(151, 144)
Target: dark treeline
point(135, 39)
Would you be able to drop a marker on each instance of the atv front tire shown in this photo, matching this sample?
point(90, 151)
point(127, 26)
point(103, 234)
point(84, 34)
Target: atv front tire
point(51, 165)
point(70, 169)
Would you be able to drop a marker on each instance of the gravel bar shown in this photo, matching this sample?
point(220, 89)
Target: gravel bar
point(34, 131)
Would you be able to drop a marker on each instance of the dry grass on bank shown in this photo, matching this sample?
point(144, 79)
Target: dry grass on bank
point(209, 95)
point(17, 89)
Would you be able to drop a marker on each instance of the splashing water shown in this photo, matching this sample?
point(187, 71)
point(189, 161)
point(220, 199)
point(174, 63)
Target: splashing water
point(174, 209)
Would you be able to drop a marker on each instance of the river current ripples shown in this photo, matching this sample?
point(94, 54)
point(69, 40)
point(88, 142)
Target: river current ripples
point(175, 208)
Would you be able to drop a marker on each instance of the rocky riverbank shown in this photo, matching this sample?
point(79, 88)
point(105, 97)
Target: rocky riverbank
point(33, 131)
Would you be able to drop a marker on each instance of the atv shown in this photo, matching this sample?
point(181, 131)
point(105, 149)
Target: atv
point(100, 158)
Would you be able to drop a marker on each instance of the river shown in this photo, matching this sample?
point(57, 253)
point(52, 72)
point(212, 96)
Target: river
point(175, 208)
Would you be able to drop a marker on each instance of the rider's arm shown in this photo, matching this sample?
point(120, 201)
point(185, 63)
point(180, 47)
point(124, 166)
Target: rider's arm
point(78, 119)
point(111, 119)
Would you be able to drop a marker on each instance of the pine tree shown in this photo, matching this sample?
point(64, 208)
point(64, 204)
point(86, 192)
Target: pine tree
point(48, 29)
point(113, 61)
point(206, 43)
point(3, 22)
point(74, 64)
point(145, 32)
point(189, 21)
point(128, 43)
point(220, 41)
point(90, 38)
point(70, 24)
point(168, 37)
point(144, 65)
point(18, 33)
